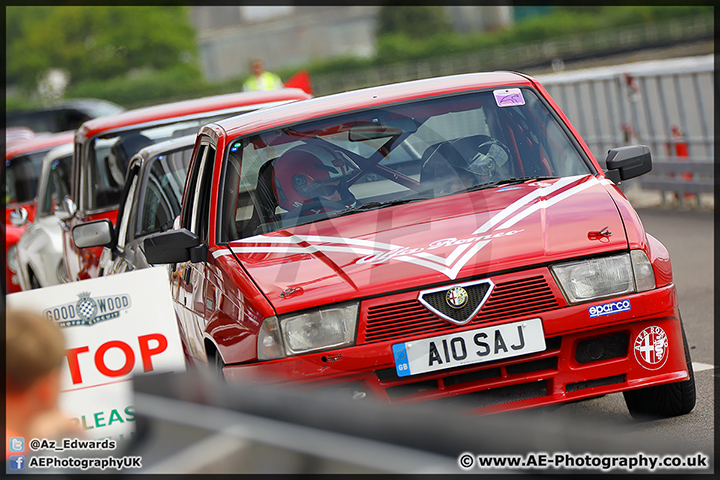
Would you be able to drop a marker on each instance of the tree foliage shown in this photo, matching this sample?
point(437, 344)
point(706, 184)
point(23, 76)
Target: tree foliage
point(412, 21)
point(549, 23)
point(95, 42)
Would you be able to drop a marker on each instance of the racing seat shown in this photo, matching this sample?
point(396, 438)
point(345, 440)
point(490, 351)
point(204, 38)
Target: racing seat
point(447, 156)
point(264, 203)
point(265, 193)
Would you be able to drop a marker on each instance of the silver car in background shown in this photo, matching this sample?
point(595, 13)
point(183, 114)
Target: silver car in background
point(39, 249)
point(149, 204)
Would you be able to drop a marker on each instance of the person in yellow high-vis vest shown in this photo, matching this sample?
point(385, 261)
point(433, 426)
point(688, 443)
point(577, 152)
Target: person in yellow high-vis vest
point(261, 79)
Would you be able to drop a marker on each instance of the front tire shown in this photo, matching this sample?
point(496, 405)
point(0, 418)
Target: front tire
point(661, 401)
point(216, 363)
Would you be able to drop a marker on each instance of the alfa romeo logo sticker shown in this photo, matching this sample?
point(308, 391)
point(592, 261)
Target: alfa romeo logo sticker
point(456, 297)
point(651, 348)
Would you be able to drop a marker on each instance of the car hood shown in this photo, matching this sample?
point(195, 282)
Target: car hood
point(432, 242)
point(45, 233)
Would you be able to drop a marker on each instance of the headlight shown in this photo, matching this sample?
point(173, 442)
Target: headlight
point(605, 277)
point(314, 330)
point(12, 259)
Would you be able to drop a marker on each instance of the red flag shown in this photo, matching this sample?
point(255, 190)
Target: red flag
point(300, 80)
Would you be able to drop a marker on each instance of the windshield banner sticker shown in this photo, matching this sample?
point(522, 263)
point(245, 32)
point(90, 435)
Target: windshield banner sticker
point(463, 249)
point(509, 97)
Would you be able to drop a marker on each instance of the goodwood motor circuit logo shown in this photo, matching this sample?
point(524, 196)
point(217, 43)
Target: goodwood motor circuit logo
point(651, 348)
point(88, 310)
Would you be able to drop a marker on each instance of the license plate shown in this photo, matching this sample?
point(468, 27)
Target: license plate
point(472, 346)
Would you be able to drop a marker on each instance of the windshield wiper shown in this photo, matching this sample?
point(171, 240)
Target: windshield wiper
point(507, 181)
point(375, 205)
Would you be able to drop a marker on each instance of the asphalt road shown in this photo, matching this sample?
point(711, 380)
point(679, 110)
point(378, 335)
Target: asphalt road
point(688, 236)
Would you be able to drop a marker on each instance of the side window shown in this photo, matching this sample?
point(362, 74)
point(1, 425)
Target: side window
point(127, 208)
point(23, 173)
point(204, 196)
point(199, 199)
point(188, 218)
point(76, 173)
point(161, 191)
point(58, 185)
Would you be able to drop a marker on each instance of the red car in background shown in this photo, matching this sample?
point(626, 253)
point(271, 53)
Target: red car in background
point(449, 240)
point(23, 159)
point(17, 134)
point(103, 147)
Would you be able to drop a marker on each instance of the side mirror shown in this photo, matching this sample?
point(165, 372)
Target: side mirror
point(65, 210)
point(98, 233)
point(19, 217)
point(174, 246)
point(624, 163)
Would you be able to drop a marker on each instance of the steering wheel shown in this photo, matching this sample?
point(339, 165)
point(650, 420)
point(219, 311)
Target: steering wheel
point(315, 204)
point(488, 163)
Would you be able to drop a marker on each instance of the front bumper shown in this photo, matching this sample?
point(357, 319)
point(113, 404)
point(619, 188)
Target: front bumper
point(584, 357)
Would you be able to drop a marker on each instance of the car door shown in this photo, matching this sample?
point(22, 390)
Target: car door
point(158, 200)
point(123, 259)
point(189, 277)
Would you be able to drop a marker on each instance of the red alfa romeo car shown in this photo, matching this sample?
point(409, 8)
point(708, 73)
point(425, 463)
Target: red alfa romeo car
point(23, 159)
point(104, 146)
point(448, 240)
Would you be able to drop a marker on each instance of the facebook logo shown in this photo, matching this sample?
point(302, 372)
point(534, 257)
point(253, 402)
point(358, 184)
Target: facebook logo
point(17, 444)
point(17, 462)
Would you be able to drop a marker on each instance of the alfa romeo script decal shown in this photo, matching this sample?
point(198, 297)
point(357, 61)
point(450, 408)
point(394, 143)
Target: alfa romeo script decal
point(372, 252)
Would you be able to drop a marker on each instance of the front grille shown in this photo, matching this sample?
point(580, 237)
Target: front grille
point(494, 396)
point(509, 299)
point(437, 300)
point(477, 386)
point(599, 382)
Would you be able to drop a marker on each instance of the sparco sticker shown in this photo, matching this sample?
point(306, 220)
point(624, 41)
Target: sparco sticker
point(651, 348)
point(609, 308)
point(88, 310)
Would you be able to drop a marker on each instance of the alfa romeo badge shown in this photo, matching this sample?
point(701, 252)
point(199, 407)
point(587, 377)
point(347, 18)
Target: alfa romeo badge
point(456, 297)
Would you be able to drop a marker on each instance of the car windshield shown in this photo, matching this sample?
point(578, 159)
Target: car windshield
point(110, 154)
point(161, 191)
point(22, 174)
point(58, 185)
point(390, 155)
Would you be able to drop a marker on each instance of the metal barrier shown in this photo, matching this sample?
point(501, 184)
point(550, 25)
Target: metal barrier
point(667, 105)
point(195, 423)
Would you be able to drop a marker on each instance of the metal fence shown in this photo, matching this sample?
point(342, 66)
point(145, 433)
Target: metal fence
point(667, 105)
point(526, 56)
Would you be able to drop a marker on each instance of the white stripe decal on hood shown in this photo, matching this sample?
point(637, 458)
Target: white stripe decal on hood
point(379, 252)
point(543, 203)
point(510, 209)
